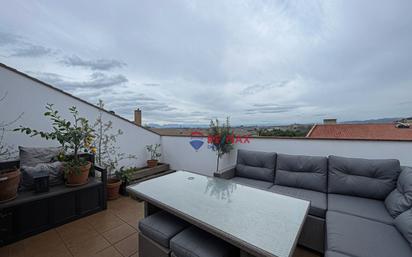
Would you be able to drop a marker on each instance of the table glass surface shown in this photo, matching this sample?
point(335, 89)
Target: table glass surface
point(264, 220)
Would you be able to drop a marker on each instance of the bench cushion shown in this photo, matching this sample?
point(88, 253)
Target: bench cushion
point(161, 227)
point(355, 236)
point(31, 156)
point(404, 224)
point(362, 177)
point(256, 165)
point(252, 182)
point(335, 254)
point(400, 199)
point(358, 206)
point(318, 201)
point(193, 242)
point(308, 172)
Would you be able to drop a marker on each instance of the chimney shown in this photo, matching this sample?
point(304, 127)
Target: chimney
point(138, 117)
point(329, 121)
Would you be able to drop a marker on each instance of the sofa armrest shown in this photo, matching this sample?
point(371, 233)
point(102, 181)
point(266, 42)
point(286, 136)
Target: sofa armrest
point(227, 173)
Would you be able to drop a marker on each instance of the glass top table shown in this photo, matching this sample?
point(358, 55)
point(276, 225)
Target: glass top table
point(259, 222)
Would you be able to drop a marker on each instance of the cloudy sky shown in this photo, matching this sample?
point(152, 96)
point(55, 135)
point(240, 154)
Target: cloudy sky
point(186, 61)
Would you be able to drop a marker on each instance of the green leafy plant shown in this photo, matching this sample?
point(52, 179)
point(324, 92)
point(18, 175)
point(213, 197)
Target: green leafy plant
point(6, 151)
point(105, 143)
point(125, 174)
point(220, 138)
point(74, 136)
point(154, 151)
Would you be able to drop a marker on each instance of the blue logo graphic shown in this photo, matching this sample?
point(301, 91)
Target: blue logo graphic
point(196, 141)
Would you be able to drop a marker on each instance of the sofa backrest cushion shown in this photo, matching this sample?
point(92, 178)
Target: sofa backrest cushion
point(400, 199)
point(256, 165)
point(308, 172)
point(362, 177)
point(31, 156)
point(404, 224)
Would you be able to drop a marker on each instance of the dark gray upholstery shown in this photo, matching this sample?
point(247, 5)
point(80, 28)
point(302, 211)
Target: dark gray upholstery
point(161, 227)
point(148, 247)
point(31, 156)
point(252, 182)
point(318, 200)
point(335, 254)
point(308, 172)
point(358, 206)
point(360, 237)
point(400, 199)
point(193, 242)
point(54, 169)
point(404, 224)
point(256, 165)
point(313, 233)
point(362, 177)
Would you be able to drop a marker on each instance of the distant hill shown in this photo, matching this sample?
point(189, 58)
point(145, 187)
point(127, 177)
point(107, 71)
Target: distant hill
point(373, 121)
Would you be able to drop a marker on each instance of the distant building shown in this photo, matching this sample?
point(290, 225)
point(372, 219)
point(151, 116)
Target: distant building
point(361, 131)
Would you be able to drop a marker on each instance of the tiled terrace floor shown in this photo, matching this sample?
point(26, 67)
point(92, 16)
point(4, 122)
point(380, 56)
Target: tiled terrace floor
point(111, 233)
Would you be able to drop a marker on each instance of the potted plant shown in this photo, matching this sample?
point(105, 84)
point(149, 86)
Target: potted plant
point(220, 139)
point(75, 137)
point(107, 152)
point(124, 175)
point(154, 155)
point(9, 177)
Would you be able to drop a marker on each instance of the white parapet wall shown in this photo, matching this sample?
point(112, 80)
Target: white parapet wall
point(181, 155)
point(28, 98)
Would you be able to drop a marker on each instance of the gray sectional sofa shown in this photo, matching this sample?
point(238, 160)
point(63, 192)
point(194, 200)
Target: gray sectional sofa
point(359, 207)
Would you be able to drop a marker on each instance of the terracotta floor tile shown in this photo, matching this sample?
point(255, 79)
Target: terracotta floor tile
point(135, 255)
point(108, 252)
point(127, 246)
point(119, 233)
point(76, 231)
point(46, 240)
point(104, 221)
point(17, 249)
point(88, 246)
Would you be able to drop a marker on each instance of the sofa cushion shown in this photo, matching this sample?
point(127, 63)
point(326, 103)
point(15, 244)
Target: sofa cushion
point(404, 224)
point(318, 203)
point(358, 206)
point(256, 165)
point(355, 236)
point(335, 254)
point(31, 156)
point(161, 227)
point(308, 172)
point(400, 199)
point(54, 169)
point(252, 182)
point(193, 242)
point(362, 177)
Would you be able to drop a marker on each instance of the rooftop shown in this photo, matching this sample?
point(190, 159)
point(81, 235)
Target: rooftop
point(360, 131)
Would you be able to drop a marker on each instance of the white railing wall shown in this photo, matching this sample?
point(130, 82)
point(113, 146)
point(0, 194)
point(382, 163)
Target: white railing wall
point(180, 154)
point(28, 97)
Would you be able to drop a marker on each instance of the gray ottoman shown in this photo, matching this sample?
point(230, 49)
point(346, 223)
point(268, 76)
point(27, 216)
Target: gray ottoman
point(155, 233)
point(193, 242)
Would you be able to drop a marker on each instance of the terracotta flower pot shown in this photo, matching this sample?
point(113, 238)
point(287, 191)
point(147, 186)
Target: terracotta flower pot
point(9, 184)
point(113, 186)
point(151, 163)
point(75, 179)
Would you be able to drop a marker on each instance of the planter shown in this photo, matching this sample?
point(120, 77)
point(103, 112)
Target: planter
point(113, 186)
point(152, 163)
point(74, 179)
point(9, 183)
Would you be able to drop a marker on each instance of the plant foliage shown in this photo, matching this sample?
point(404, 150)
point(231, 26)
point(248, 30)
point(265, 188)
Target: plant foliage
point(220, 136)
point(154, 151)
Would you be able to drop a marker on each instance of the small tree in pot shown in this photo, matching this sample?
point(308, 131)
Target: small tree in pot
point(220, 139)
point(107, 152)
point(154, 155)
point(10, 177)
point(75, 137)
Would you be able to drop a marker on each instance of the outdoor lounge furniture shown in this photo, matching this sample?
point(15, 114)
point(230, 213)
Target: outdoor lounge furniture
point(256, 222)
point(156, 231)
point(355, 203)
point(32, 213)
point(194, 242)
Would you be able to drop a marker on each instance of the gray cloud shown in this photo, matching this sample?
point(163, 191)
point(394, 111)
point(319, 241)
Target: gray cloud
point(256, 88)
point(19, 46)
point(270, 108)
point(99, 64)
point(97, 80)
point(29, 50)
